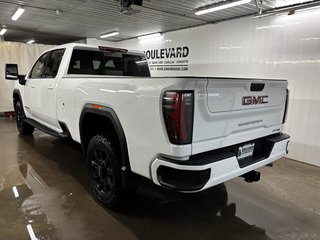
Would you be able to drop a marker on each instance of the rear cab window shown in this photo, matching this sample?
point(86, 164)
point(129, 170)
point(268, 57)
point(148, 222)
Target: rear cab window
point(106, 63)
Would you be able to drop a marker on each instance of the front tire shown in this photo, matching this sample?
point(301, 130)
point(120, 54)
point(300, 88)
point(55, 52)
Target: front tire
point(104, 172)
point(23, 127)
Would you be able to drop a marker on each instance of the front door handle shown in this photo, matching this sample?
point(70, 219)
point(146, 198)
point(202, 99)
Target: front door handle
point(32, 86)
point(50, 88)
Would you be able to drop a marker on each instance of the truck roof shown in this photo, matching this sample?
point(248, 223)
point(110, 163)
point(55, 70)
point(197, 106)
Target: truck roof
point(86, 46)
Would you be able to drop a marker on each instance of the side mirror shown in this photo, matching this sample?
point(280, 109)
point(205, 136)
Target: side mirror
point(11, 72)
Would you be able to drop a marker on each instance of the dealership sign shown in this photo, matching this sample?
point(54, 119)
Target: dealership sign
point(168, 59)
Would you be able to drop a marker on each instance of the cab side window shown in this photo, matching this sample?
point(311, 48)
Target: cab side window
point(47, 65)
point(38, 68)
point(52, 64)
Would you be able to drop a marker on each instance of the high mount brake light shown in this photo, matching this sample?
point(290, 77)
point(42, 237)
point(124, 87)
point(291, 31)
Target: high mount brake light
point(178, 110)
point(110, 49)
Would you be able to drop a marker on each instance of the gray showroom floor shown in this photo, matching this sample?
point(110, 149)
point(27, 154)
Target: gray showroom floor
point(52, 200)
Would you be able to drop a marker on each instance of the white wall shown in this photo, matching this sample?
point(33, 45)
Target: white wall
point(283, 47)
point(22, 54)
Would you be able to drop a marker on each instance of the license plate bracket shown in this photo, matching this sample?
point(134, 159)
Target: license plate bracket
point(245, 151)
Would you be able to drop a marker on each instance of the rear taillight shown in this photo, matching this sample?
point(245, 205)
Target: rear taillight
point(286, 107)
point(178, 116)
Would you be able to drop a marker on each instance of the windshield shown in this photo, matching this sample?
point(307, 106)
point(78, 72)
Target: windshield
point(91, 62)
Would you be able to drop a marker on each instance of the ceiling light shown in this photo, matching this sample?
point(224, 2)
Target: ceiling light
point(154, 35)
point(31, 41)
point(277, 4)
point(218, 7)
point(3, 31)
point(111, 34)
point(18, 13)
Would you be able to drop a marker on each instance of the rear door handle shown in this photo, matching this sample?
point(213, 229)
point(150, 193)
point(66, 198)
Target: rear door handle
point(50, 88)
point(32, 86)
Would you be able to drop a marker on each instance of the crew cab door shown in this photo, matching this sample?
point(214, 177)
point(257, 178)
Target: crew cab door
point(41, 88)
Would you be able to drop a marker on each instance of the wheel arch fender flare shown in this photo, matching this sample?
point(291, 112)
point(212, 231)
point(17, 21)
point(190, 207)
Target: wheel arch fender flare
point(110, 114)
point(16, 92)
point(16, 95)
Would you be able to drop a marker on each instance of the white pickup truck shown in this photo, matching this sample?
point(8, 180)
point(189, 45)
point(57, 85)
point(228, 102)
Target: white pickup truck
point(183, 133)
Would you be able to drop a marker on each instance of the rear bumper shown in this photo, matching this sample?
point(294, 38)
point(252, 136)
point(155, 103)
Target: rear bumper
point(208, 169)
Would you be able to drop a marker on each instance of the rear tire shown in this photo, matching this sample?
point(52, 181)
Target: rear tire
point(23, 127)
point(104, 172)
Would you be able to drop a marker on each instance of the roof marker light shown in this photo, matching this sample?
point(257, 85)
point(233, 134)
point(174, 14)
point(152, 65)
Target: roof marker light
point(112, 49)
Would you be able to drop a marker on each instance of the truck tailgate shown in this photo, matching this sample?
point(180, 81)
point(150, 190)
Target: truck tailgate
point(231, 111)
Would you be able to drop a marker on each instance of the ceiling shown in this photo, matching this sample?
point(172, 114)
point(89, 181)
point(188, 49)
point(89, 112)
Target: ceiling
point(90, 18)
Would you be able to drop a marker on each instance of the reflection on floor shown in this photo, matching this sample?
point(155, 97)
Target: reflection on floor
point(44, 195)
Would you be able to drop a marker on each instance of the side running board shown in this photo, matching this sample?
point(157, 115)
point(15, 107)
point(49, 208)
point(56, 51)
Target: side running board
point(45, 129)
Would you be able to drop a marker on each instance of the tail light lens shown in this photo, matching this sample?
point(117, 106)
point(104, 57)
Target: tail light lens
point(286, 107)
point(178, 116)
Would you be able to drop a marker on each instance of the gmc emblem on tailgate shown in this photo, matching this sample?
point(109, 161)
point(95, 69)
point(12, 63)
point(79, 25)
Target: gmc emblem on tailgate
point(253, 100)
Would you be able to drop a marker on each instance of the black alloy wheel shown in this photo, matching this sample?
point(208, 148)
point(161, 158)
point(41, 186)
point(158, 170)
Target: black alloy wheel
point(104, 172)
